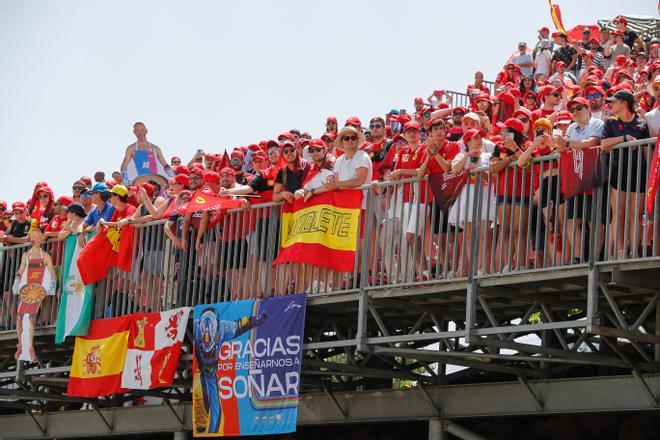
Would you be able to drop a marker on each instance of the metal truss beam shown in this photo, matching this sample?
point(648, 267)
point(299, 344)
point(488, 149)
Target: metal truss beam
point(602, 394)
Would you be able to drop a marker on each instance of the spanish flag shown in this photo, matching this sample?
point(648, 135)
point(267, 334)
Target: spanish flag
point(322, 231)
point(555, 13)
point(98, 358)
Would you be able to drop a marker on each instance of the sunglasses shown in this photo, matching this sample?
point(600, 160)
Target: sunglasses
point(556, 95)
point(79, 188)
point(577, 108)
point(594, 96)
point(194, 178)
point(199, 159)
point(43, 196)
point(273, 152)
point(236, 160)
point(288, 150)
point(372, 126)
point(315, 150)
point(176, 162)
point(2, 209)
point(459, 114)
point(349, 138)
point(511, 68)
point(524, 120)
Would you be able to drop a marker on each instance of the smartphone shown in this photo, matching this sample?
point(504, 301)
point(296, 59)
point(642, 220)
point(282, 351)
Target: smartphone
point(539, 132)
point(474, 159)
point(557, 132)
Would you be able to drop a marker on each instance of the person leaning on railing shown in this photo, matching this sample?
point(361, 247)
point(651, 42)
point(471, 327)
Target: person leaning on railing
point(627, 188)
point(584, 133)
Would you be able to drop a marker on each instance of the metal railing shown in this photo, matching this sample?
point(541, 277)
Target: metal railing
point(513, 220)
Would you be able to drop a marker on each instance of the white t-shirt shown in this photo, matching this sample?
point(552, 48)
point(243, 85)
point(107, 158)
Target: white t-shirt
point(653, 121)
point(318, 180)
point(487, 146)
point(523, 58)
point(543, 61)
point(593, 128)
point(346, 169)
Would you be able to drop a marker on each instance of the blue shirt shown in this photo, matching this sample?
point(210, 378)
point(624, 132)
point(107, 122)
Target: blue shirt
point(95, 214)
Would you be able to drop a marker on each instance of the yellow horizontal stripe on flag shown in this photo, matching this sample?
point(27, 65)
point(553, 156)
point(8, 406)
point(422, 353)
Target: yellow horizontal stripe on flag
point(327, 225)
point(99, 357)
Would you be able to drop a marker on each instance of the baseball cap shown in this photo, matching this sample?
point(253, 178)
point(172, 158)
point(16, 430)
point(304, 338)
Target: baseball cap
point(620, 20)
point(522, 111)
point(544, 29)
point(274, 144)
point(579, 100)
point(331, 119)
point(182, 179)
point(64, 201)
point(237, 154)
point(99, 188)
point(227, 170)
point(148, 187)
point(318, 143)
point(482, 96)
point(513, 124)
point(564, 117)
point(211, 177)
point(622, 95)
point(353, 120)
point(412, 125)
point(418, 99)
point(437, 121)
point(86, 180)
point(259, 155)
point(120, 190)
point(18, 206)
point(328, 137)
point(618, 32)
point(281, 137)
point(472, 133)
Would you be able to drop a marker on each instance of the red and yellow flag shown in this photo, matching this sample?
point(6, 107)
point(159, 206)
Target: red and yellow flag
point(322, 231)
point(216, 206)
point(555, 13)
point(112, 247)
point(654, 179)
point(98, 358)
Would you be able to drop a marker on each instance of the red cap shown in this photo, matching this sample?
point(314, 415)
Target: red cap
point(621, 60)
point(579, 100)
point(148, 187)
point(62, 200)
point(460, 109)
point(522, 111)
point(18, 206)
point(227, 170)
point(618, 32)
point(286, 144)
point(353, 120)
point(328, 137)
point(546, 90)
point(253, 147)
point(437, 121)
point(331, 119)
point(560, 63)
point(317, 143)
point(507, 98)
point(211, 177)
point(196, 171)
point(274, 144)
point(237, 153)
point(3, 204)
point(259, 155)
point(209, 156)
point(483, 96)
point(442, 105)
point(86, 180)
point(398, 138)
point(110, 183)
point(544, 28)
point(412, 125)
point(181, 170)
point(620, 20)
point(182, 179)
point(588, 54)
point(473, 132)
point(513, 124)
point(285, 135)
point(418, 99)
point(564, 116)
point(78, 183)
point(175, 158)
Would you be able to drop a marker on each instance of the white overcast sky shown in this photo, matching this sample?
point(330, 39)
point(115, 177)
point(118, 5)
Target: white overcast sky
point(75, 74)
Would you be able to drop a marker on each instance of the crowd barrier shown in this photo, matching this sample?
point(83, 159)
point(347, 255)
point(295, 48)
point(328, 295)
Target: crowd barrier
point(514, 220)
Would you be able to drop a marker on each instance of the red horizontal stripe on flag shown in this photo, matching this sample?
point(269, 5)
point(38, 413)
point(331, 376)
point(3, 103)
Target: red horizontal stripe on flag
point(95, 386)
point(346, 198)
point(104, 328)
point(318, 255)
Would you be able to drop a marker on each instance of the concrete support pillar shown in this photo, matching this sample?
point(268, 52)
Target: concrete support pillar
point(181, 435)
point(437, 430)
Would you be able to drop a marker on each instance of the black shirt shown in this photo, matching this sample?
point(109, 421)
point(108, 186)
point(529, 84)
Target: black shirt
point(564, 54)
point(18, 229)
point(629, 38)
point(294, 179)
point(636, 128)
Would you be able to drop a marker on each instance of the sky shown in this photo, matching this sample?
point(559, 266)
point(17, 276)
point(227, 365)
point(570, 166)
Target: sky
point(76, 74)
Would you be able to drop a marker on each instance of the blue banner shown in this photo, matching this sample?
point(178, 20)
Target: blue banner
point(246, 366)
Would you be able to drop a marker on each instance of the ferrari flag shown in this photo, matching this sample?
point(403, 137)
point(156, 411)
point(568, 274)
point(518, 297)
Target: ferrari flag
point(217, 206)
point(112, 247)
point(322, 231)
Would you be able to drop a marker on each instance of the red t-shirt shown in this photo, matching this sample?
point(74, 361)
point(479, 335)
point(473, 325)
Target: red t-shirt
point(540, 113)
point(55, 225)
point(128, 211)
point(411, 160)
point(375, 150)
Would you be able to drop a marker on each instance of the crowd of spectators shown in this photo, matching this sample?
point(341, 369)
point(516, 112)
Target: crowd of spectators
point(562, 94)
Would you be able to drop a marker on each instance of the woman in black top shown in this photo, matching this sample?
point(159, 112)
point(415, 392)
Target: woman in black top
point(290, 179)
point(627, 188)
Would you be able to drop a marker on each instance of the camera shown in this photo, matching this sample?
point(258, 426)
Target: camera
point(474, 159)
point(539, 132)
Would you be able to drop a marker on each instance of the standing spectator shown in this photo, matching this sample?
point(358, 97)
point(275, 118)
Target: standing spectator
point(550, 98)
point(523, 59)
point(626, 195)
point(380, 146)
point(237, 161)
point(584, 133)
point(175, 161)
point(653, 117)
point(99, 177)
point(543, 60)
point(43, 208)
point(617, 48)
point(565, 52)
point(76, 190)
point(630, 37)
point(102, 209)
point(510, 74)
point(477, 87)
point(596, 97)
point(87, 181)
point(274, 152)
point(461, 213)
point(59, 218)
point(116, 176)
point(544, 35)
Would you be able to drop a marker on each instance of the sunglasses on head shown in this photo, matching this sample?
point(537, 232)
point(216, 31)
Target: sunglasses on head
point(577, 108)
point(315, 150)
point(349, 138)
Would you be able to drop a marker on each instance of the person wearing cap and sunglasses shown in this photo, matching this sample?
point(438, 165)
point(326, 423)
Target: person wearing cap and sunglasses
point(626, 195)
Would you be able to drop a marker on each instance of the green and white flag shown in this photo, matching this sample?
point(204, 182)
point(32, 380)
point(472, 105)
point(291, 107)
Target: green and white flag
point(75, 310)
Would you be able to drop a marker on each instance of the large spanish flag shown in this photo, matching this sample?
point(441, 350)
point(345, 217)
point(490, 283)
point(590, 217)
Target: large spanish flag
point(98, 358)
point(557, 20)
point(322, 231)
